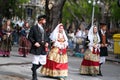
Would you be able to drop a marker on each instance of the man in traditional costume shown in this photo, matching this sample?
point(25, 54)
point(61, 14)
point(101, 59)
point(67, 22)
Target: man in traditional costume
point(38, 39)
point(104, 44)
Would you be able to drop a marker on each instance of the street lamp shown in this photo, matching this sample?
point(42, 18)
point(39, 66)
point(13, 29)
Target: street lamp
point(93, 8)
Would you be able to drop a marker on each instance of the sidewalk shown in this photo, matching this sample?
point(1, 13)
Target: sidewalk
point(112, 57)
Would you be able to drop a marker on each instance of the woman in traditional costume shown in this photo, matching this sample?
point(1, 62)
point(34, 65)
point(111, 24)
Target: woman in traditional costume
point(24, 43)
point(90, 63)
point(57, 60)
point(6, 42)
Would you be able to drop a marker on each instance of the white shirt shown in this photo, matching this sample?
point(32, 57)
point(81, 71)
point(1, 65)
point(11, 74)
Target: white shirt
point(80, 34)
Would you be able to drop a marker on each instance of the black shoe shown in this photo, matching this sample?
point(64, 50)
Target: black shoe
point(24, 55)
point(34, 78)
point(94, 75)
point(100, 75)
point(8, 55)
point(61, 78)
point(3, 55)
point(34, 74)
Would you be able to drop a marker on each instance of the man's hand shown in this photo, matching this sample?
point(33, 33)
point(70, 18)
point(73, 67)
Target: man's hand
point(37, 44)
point(106, 45)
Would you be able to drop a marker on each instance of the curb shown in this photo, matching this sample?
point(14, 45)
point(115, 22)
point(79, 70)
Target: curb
point(113, 60)
point(15, 64)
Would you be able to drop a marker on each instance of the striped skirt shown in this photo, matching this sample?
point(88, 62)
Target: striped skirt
point(90, 63)
point(24, 45)
point(57, 64)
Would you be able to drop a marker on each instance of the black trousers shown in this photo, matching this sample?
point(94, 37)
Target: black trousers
point(34, 73)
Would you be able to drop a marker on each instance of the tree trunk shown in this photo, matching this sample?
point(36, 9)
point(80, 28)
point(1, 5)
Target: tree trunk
point(54, 13)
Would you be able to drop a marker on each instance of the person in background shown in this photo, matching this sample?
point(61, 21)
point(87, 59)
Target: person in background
point(86, 39)
point(80, 36)
point(16, 34)
point(57, 60)
point(71, 45)
point(24, 43)
point(6, 42)
point(79, 40)
point(39, 45)
point(70, 39)
point(90, 62)
point(104, 44)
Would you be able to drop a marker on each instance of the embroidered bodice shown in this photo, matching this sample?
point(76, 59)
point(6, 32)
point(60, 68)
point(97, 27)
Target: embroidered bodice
point(61, 37)
point(95, 39)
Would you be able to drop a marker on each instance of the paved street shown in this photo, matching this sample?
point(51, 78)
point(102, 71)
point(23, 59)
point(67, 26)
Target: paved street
point(18, 68)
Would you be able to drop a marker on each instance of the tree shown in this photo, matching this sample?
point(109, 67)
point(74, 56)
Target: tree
point(9, 8)
point(119, 3)
point(79, 11)
point(54, 12)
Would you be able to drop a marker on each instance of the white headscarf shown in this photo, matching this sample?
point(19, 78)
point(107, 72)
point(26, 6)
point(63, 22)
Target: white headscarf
point(91, 36)
point(54, 37)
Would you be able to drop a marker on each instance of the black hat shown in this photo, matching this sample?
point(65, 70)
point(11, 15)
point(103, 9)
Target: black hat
point(41, 17)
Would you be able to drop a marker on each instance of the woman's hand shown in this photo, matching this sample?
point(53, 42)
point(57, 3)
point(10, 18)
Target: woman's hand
point(46, 44)
point(95, 46)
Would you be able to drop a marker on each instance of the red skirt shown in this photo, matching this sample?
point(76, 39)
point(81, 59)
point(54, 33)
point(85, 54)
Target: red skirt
point(90, 63)
point(24, 45)
point(57, 64)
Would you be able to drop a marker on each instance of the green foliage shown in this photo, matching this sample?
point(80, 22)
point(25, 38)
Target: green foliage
point(23, 1)
point(81, 9)
point(115, 10)
point(66, 14)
